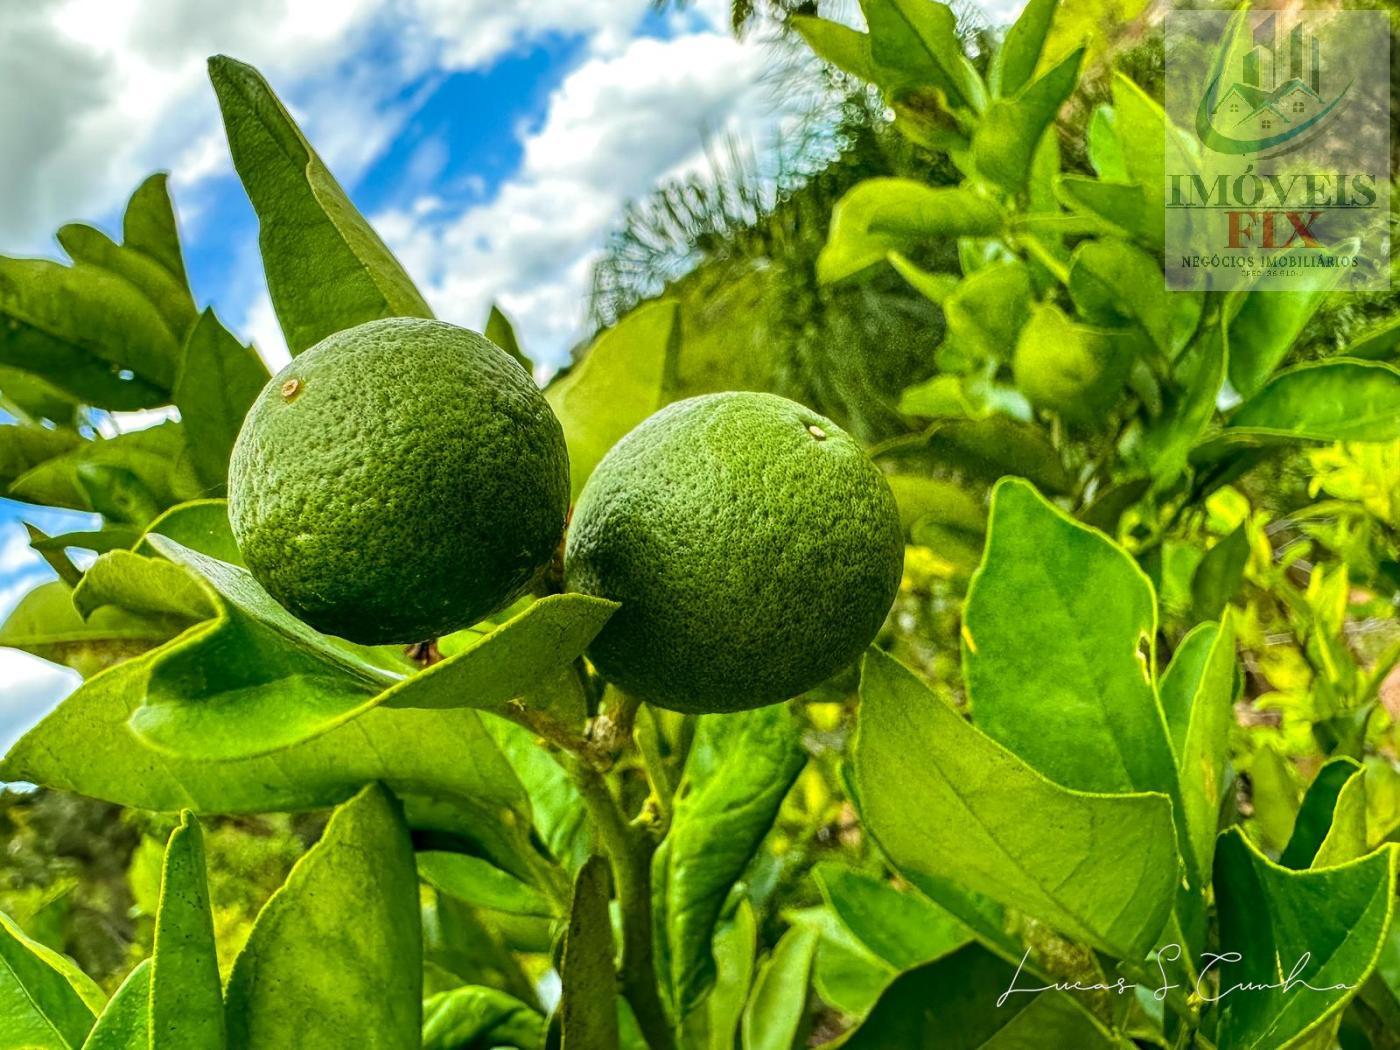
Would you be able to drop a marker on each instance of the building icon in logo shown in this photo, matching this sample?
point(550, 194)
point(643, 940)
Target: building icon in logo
point(1276, 95)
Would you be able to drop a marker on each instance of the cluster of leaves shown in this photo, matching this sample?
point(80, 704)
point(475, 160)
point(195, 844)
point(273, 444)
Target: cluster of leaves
point(1069, 807)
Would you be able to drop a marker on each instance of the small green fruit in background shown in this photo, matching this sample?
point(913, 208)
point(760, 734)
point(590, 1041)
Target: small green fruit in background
point(753, 546)
point(397, 481)
point(1069, 369)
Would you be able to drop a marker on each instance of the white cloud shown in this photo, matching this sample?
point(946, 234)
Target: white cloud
point(613, 127)
point(33, 687)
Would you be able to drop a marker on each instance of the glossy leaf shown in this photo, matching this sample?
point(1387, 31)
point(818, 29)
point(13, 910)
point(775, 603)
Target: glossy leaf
point(501, 332)
point(156, 460)
point(588, 1005)
point(882, 215)
point(945, 801)
point(23, 446)
point(1123, 207)
point(623, 378)
point(167, 293)
point(307, 976)
point(845, 48)
point(1334, 400)
point(1011, 129)
point(1347, 839)
point(956, 1004)
point(1198, 692)
point(919, 38)
point(201, 525)
point(1057, 622)
point(1114, 282)
point(86, 331)
point(449, 767)
point(45, 1002)
point(1326, 928)
point(735, 948)
point(478, 882)
point(186, 997)
point(125, 1022)
point(1015, 62)
point(1189, 408)
point(776, 1011)
point(475, 1016)
point(900, 927)
point(986, 310)
point(1263, 330)
point(210, 697)
point(149, 226)
point(218, 381)
point(45, 624)
point(1218, 576)
point(1314, 819)
point(739, 769)
point(992, 447)
point(327, 270)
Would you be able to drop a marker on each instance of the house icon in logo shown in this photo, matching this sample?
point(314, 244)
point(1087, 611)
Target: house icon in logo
point(1276, 95)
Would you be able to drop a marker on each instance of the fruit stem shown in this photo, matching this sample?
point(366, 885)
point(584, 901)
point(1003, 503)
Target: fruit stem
point(629, 849)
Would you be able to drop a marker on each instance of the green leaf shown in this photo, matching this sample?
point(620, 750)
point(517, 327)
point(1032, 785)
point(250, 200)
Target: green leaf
point(623, 378)
point(186, 997)
point(945, 801)
point(450, 769)
point(845, 48)
point(739, 769)
point(559, 816)
point(218, 381)
point(222, 692)
point(145, 586)
point(1325, 927)
point(1218, 576)
point(31, 399)
point(23, 446)
point(87, 332)
point(1264, 329)
point(882, 215)
point(155, 459)
point(1189, 408)
point(1333, 400)
point(1347, 838)
point(327, 270)
point(989, 448)
point(588, 1007)
point(1016, 60)
point(474, 1016)
point(777, 1008)
point(904, 929)
point(986, 310)
point(45, 1001)
point(956, 1004)
point(167, 293)
point(201, 525)
point(1105, 151)
point(111, 538)
point(1377, 341)
point(501, 332)
point(736, 950)
point(149, 226)
point(1011, 129)
point(125, 1022)
point(45, 624)
point(1112, 282)
point(336, 950)
point(919, 38)
point(1198, 693)
point(1058, 623)
point(1314, 819)
point(1122, 207)
point(480, 883)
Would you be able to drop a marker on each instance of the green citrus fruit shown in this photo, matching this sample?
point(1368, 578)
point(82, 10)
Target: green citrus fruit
point(397, 481)
point(753, 546)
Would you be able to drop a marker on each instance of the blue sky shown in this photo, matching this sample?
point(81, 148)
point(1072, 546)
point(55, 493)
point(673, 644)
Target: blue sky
point(492, 144)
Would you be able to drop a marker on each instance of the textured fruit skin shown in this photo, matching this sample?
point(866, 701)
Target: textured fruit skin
point(751, 557)
point(397, 481)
